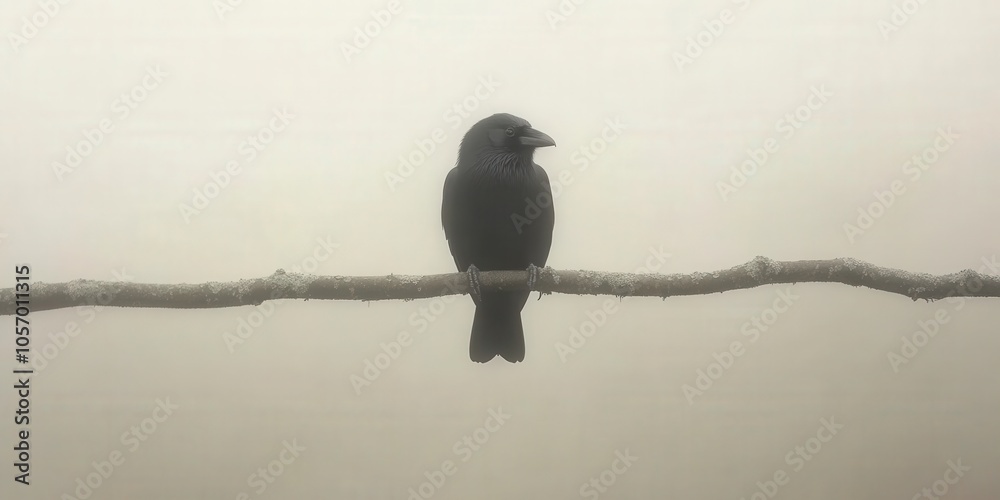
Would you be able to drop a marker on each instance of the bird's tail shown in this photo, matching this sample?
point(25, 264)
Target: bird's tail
point(496, 328)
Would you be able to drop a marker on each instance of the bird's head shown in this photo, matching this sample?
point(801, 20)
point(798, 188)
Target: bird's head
point(503, 136)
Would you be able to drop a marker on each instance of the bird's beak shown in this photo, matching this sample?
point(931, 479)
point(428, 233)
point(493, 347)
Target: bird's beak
point(535, 138)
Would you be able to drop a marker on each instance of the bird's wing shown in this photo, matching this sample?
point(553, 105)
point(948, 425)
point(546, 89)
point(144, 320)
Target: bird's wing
point(450, 217)
point(540, 231)
point(447, 204)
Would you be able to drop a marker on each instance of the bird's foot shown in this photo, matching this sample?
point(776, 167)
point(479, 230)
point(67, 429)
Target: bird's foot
point(474, 291)
point(534, 274)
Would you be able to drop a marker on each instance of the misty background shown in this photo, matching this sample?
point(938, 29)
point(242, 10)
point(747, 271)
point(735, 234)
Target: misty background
point(652, 104)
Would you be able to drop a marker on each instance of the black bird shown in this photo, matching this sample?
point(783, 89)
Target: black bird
point(497, 215)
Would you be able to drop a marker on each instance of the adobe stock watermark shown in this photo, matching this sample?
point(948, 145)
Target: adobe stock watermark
point(464, 448)
point(564, 9)
point(597, 317)
point(365, 34)
point(374, 366)
point(121, 109)
point(133, 439)
point(33, 24)
point(224, 7)
point(712, 30)
point(940, 487)
point(796, 459)
point(247, 325)
point(454, 116)
point(706, 377)
point(582, 158)
point(914, 168)
point(912, 344)
point(266, 475)
point(219, 180)
point(787, 125)
point(901, 14)
point(60, 339)
point(608, 477)
point(579, 334)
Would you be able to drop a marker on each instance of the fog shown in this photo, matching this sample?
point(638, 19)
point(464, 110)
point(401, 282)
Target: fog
point(217, 140)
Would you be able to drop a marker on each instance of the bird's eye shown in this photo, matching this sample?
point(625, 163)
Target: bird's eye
point(509, 131)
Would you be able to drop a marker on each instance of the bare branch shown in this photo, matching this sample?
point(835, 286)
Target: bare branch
point(281, 285)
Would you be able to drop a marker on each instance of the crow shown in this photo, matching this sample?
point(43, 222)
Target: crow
point(497, 215)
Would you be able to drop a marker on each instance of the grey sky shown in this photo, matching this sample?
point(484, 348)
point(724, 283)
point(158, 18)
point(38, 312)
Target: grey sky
point(839, 96)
